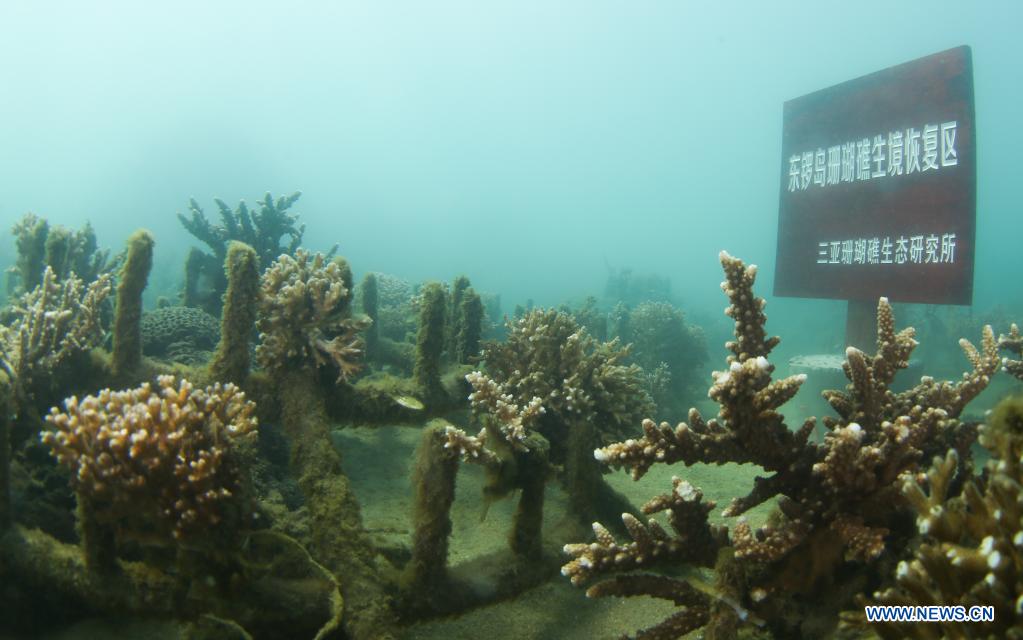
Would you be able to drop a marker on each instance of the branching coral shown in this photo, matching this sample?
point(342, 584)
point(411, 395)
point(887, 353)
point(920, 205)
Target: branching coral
point(154, 459)
point(263, 229)
point(51, 323)
point(65, 251)
point(577, 378)
point(671, 351)
point(512, 423)
point(305, 317)
point(1014, 343)
point(843, 490)
point(971, 552)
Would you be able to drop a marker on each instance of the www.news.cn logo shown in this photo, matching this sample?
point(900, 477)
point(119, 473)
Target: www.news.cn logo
point(956, 613)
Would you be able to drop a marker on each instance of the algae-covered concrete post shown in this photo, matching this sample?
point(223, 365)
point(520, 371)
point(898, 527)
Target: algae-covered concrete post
point(348, 280)
point(370, 297)
point(430, 344)
point(470, 327)
point(128, 314)
point(193, 269)
point(433, 482)
point(534, 464)
point(231, 360)
point(338, 539)
point(454, 317)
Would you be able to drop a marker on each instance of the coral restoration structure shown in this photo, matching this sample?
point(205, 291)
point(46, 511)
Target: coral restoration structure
point(127, 353)
point(430, 345)
point(837, 501)
point(238, 319)
point(470, 327)
point(514, 458)
point(369, 298)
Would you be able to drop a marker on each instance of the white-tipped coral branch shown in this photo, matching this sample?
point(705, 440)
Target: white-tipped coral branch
point(51, 323)
point(1014, 343)
point(304, 316)
point(154, 457)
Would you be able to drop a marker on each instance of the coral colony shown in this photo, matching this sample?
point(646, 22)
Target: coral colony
point(192, 473)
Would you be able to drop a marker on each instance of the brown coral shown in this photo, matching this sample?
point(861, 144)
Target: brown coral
point(1014, 343)
point(304, 316)
point(51, 323)
point(970, 544)
point(843, 490)
point(154, 458)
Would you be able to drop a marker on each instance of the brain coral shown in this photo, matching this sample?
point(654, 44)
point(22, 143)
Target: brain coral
point(168, 326)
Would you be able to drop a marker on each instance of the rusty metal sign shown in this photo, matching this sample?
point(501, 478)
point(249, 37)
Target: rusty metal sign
point(878, 186)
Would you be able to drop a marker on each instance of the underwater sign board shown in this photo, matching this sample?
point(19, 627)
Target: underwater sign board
point(878, 186)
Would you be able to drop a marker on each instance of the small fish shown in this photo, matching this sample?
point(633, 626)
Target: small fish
point(409, 402)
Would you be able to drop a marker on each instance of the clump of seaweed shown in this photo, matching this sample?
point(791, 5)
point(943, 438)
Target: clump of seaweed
point(837, 500)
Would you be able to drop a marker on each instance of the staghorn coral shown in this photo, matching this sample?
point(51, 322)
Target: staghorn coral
point(513, 457)
point(154, 460)
point(262, 229)
point(971, 550)
point(840, 493)
point(304, 316)
point(50, 324)
point(1014, 343)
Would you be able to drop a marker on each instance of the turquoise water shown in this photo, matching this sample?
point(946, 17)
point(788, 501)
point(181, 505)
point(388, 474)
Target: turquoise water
point(527, 144)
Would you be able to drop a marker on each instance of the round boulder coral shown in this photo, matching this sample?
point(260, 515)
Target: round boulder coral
point(170, 327)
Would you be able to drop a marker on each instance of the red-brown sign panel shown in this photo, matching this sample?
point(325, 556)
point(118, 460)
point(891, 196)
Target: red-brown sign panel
point(878, 186)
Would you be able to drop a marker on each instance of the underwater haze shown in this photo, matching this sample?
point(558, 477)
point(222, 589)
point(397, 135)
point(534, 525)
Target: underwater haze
point(528, 144)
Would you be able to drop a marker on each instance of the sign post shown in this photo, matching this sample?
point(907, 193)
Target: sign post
point(878, 190)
